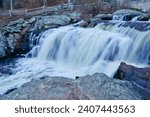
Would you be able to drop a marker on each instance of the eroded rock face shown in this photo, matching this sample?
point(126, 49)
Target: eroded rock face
point(14, 35)
point(97, 86)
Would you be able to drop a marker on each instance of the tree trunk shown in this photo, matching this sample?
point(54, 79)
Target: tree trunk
point(11, 4)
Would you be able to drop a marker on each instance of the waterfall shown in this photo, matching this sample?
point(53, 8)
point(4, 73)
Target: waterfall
point(74, 51)
point(99, 49)
point(118, 17)
point(82, 47)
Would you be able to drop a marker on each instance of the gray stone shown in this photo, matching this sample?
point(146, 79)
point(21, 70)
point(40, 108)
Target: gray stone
point(2, 46)
point(19, 21)
point(44, 22)
point(100, 86)
point(32, 20)
point(97, 86)
point(127, 11)
point(65, 18)
point(145, 17)
point(75, 16)
point(103, 17)
point(25, 24)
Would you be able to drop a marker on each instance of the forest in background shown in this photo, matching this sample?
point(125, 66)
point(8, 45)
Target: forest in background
point(115, 4)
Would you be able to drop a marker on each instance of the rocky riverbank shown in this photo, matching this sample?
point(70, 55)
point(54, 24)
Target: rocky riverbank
point(14, 36)
point(96, 86)
point(131, 73)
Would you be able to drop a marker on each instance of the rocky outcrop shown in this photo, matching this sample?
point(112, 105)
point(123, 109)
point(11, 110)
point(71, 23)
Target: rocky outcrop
point(140, 76)
point(14, 36)
point(127, 11)
point(140, 26)
point(128, 15)
point(47, 22)
point(102, 17)
point(145, 17)
point(2, 45)
point(97, 86)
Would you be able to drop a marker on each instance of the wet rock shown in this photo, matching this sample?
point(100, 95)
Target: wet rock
point(14, 36)
point(102, 17)
point(93, 24)
point(129, 17)
point(25, 24)
point(84, 24)
point(32, 20)
point(75, 17)
point(126, 14)
point(140, 76)
point(144, 18)
point(140, 26)
point(2, 45)
point(19, 21)
point(97, 86)
point(127, 11)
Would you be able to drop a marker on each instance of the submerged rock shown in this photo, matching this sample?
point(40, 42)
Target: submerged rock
point(97, 86)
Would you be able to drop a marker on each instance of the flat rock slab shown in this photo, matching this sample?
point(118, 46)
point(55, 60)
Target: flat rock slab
point(97, 86)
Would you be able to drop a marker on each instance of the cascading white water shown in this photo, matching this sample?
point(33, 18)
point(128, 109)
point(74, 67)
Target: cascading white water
point(73, 51)
point(118, 17)
point(79, 47)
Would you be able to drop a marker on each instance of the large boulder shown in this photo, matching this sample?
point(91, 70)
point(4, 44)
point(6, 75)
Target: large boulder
point(97, 86)
point(13, 36)
point(126, 14)
point(45, 22)
point(127, 11)
point(140, 76)
point(101, 17)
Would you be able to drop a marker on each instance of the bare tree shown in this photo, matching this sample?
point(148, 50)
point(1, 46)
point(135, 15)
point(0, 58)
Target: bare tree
point(44, 2)
point(11, 4)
